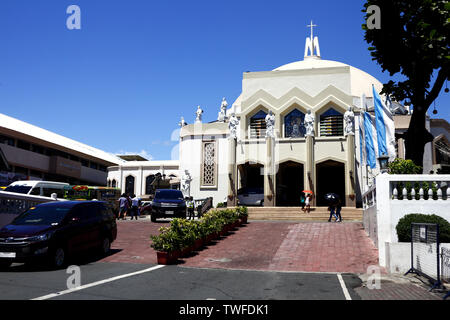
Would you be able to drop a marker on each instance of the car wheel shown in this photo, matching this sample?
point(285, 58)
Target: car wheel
point(58, 258)
point(5, 264)
point(153, 218)
point(106, 246)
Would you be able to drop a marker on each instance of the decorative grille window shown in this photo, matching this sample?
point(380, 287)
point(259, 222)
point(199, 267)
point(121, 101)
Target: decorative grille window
point(331, 124)
point(258, 125)
point(209, 164)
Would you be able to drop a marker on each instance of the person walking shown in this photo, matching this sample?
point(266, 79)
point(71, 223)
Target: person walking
point(302, 201)
point(338, 211)
point(307, 207)
point(135, 203)
point(123, 206)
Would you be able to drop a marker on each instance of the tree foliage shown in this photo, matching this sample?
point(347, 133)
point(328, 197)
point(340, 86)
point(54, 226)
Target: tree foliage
point(413, 42)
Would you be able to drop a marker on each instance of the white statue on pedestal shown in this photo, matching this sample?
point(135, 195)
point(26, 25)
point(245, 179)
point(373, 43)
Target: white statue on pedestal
point(233, 125)
point(223, 111)
point(186, 183)
point(270, 125)
point(349, 122)
point(182, 122)
point(309, 124)
point(199, 113)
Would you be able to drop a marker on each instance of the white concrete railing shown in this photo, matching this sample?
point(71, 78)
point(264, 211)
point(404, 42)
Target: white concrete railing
point(12, 204)
point(395, 196)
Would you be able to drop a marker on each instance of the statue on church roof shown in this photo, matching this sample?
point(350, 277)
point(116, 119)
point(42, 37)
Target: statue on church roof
point(349, 122)
point(199, 113)
point(309, 124)
point(233, 125)
point(182, 122)
point(270, 125)
point(223, 111)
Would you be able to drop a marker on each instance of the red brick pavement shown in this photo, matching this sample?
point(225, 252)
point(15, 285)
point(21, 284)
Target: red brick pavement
point(275, 246)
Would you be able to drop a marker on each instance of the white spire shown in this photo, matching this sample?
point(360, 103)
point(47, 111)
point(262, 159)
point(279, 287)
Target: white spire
point(312, 44)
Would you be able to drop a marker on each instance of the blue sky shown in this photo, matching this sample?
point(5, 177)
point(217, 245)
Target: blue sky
point(123, 81)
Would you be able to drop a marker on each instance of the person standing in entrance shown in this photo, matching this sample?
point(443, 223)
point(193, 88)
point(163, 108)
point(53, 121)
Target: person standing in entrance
point(123, 207)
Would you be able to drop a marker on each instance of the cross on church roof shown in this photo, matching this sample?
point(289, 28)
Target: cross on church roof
point(312, 44)
point(312, 29)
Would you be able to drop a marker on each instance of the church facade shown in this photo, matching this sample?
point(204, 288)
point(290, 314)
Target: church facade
point(292, 129)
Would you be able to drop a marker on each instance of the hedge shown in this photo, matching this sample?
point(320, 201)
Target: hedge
point(404, 226)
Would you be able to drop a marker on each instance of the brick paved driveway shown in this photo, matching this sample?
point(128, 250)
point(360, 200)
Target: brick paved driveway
point(266, 246)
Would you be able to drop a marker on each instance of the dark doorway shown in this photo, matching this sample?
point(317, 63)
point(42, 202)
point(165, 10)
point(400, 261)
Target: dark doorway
point(290, 184)
point(330, 179)
point(251, 175)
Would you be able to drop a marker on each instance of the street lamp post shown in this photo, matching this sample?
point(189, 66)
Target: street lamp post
point(384, 161)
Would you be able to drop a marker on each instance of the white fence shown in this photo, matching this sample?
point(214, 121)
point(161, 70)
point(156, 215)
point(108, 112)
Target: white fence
point(395, 196)
point(13, 204)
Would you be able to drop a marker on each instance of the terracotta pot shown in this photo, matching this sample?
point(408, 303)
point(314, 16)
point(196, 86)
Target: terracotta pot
point(186, 251)
point(244, 220)
point(166, 258)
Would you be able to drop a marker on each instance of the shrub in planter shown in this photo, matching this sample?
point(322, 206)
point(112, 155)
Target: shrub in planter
point(404, 226)
point(167, 241)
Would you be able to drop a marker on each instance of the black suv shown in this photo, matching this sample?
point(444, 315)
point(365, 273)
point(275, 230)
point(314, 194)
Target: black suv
point(56, 230)
point(168, 204)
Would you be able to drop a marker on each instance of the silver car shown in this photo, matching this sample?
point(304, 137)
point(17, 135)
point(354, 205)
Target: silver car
point(251, 196)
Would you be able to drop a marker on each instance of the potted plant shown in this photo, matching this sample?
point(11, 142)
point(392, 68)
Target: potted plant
point(167, 246)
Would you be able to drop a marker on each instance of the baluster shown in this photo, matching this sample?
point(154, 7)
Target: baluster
point(405, 193)
point(430, 193)
point(413, 193)
point(439, 193)
point(395, 193)
point(421, 193)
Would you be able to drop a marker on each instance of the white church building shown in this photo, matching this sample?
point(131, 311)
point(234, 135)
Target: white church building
point(294, 128)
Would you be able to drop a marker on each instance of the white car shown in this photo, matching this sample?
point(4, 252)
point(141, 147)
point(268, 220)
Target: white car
point(37, 188)
point(251, 196)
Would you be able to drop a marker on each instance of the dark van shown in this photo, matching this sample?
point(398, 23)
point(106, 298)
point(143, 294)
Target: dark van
point(56, 230)
point(168, 203)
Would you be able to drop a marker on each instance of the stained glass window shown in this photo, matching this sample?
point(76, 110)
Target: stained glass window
point(294, 124)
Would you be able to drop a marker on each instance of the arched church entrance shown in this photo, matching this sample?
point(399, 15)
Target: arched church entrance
point(330, 179)
point(251, 183)
point(290, 184)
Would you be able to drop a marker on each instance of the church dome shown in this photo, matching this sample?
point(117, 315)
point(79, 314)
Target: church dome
point(361, 82)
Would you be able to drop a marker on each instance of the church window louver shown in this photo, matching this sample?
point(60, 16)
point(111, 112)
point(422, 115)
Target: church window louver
point(209, 165)
point(258, 125)
point(331, 124)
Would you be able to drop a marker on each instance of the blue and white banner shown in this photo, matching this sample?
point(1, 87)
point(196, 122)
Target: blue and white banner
point(385, 127)
point(370, 134)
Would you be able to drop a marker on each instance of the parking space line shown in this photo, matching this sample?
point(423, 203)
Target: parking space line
point(97, 283)
point(344, 287)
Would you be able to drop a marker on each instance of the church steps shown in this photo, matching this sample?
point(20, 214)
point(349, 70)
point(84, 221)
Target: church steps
point(295, 214)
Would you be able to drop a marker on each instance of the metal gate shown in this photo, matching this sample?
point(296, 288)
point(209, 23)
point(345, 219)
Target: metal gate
point(425, 252)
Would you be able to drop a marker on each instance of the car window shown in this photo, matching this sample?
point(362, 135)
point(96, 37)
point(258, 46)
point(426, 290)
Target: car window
point(18, 189)
point(47, 192)
point(84, 212)
point(168, 194)
point(42, 215)
point(36, 191)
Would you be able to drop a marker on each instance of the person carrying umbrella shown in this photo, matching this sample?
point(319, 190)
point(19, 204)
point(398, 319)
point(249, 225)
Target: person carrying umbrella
point(307, 206)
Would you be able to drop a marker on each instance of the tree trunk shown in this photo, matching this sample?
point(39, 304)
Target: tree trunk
point(416, 137)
